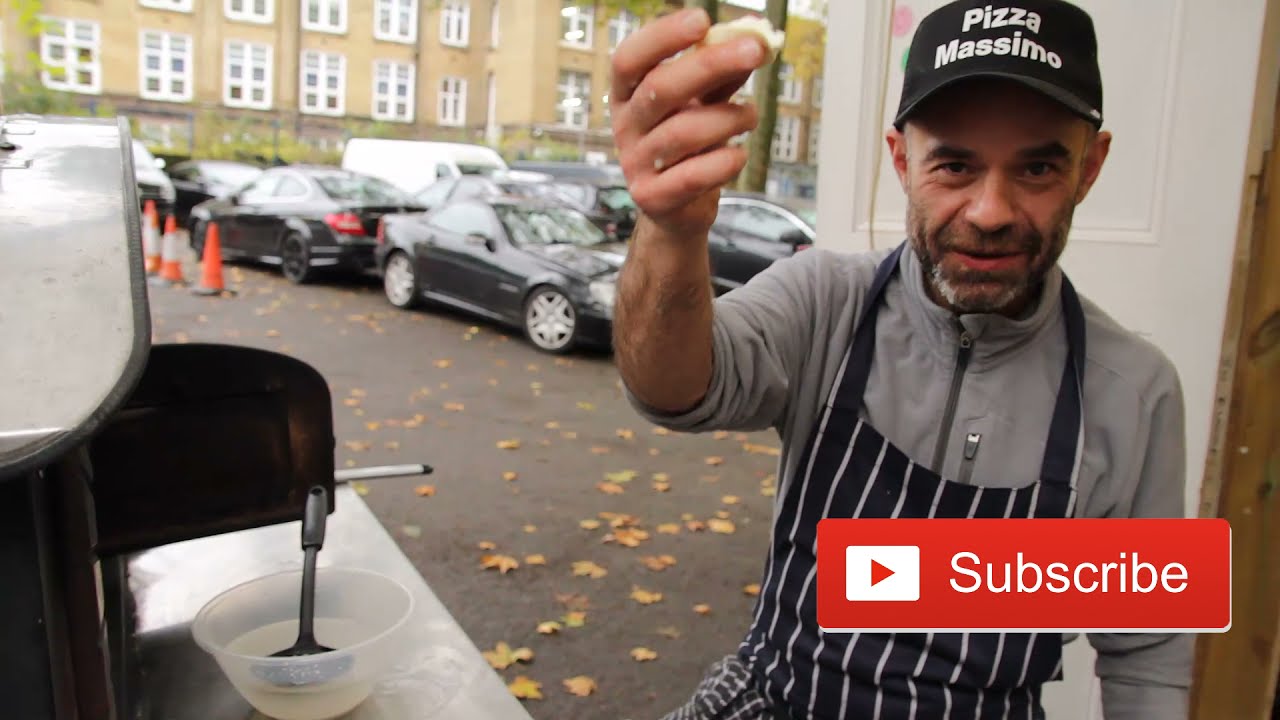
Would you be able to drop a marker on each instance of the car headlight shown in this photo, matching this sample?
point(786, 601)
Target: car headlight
point(604, 292)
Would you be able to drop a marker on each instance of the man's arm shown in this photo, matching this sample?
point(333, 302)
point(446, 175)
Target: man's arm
point(1149, 675)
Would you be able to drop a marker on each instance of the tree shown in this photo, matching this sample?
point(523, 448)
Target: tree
point(760, 144)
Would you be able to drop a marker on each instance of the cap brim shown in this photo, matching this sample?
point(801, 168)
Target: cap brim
point(1074, 104)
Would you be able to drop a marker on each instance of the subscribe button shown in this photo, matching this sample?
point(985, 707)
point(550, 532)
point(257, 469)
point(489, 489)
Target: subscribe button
point(1024, 575)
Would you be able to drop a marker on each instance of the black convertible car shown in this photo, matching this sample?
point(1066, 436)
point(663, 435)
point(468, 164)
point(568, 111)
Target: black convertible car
point(303, 218)
point(528, 263)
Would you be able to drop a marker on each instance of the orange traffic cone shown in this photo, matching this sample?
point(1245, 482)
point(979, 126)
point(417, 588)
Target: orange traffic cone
point(151, 244)
point(211, 281)
point(171, 260)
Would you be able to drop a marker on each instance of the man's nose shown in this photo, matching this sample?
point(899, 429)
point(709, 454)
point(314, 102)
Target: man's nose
point(991, 208)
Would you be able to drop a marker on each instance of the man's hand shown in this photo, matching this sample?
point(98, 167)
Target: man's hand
point(672, 118)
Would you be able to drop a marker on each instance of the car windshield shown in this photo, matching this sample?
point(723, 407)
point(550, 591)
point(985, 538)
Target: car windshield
point(361, 189)
point(142, 157)
point(546, 225)
point(617, 198)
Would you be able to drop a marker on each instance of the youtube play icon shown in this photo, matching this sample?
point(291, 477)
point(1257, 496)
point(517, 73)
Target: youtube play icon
point(878, 573)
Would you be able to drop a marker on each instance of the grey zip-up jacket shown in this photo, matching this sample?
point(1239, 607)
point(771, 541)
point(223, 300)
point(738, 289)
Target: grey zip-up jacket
point(780, 339)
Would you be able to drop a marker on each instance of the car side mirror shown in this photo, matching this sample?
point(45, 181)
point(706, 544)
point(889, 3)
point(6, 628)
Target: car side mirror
point(795, 238)
point(482, 240)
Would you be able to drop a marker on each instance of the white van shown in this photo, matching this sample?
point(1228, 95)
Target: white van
point(412, 165)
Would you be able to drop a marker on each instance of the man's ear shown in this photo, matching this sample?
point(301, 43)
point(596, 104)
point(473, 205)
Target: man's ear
point(1094, 157)
point(898, 150)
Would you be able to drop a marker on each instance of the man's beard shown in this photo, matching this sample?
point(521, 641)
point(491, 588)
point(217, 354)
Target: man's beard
point(970, 290)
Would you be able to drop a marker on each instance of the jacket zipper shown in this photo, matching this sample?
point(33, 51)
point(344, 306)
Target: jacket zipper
point(957, 377)
point(970, 451)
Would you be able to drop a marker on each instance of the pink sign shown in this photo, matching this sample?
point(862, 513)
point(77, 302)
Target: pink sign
point(903, 20)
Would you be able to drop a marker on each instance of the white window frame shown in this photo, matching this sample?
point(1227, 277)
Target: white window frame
point(324, 69)
point(577, 117)
point(455, 16)
point(185, 6)
point(621, 25)
point(392, 70)
point(407, 35)
point(791, 91)
point(325, 8)
point(71, 63)
point(495, 23)
point(166, 74)
point(581, 19)
point(247, 14)
point(786, 138)
point(246, 81)
point(815, 92)
point(455, 96)
point(815, 141)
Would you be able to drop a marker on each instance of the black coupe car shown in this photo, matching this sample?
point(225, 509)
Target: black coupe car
point(751, 232)
point(196, 181)
point(528, 263)
point(303, 218)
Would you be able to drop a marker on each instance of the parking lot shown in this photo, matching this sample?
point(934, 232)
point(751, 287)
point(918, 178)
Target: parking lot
point(640, 546)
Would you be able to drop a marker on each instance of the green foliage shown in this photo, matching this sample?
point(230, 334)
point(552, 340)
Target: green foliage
point(643, 9)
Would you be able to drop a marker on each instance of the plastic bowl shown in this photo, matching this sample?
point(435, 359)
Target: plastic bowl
point(358, 613)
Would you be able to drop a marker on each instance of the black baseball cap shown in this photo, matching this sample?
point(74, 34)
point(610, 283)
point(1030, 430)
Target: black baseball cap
point(1047, 45)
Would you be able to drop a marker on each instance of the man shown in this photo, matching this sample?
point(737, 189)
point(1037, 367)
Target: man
point(957, 375)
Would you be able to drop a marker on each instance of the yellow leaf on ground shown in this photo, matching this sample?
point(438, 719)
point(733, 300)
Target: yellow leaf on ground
point(724, 527)
point(702, 609)
point(586, 406)
point(575, 619)
point(580, 685)
point(669, 631)
point(589, 524)
point(686, 516)
point(509, 475)
point(425, 490)
point(589, 569)
point(628, 537)
point(658, 563)
point(552, 425)
point(485, 545)
point(454, 407)
point(360, 488)
point(412, 531)
point(619, 521)
point(695, 525)
point(358, 445)
point(550, 627)
point(508, 444)
point(625, 434)
point(443, 363)
point(535, 559)
point(769, 491)
point(474, 329)
point(661, 431)
point(661, 477)
point(714, 460)
point(720, 434)
point(493, 382)
point(669, 528)
point(740, 437)
point(391, 444)
point(358, 392)
point(525, 688)
point(503, 656)
point(662, 486)
point(762, 449)
point(531, 528)
point(502, 563)
point(351, 401)
point(569, 435)
point(609, 488)
point(600, 450)
point(752, 589)
point(722, 514)
point(273, 333)
point(531, 367)
point(730, 499)
point(643, 654)
point(358, 412)
point(645, 597)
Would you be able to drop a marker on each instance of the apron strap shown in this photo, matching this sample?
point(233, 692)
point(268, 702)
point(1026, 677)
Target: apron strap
point(1061, 455)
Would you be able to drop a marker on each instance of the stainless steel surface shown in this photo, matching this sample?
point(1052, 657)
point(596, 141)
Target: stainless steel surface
point(73, 316)
point(379, 471)
point(444, 678)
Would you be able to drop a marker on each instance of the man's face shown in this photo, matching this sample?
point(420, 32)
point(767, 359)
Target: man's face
point(993, 172)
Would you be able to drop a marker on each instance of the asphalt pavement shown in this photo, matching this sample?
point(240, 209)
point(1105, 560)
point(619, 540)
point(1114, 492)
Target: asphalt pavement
point(539, 461)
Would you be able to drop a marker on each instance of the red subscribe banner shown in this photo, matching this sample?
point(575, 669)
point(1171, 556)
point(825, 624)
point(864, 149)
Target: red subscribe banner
point(1024, 575)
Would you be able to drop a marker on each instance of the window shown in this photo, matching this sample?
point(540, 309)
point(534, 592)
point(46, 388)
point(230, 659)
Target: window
point(255, 11)
point(363, 189)
point(452, 107)
point(576, 23)
point(246, 75)
point(174, 5)
point(464, 219)
point(70, 52)
point(620, 26)
point(396, 20)
point(548, 225)
point(324, 83)
point(393, 91)
point(786, 138)
point(759, 221)
point(817, 92)
point(455, 23)
point(493, 23)
point(260, 190)
point(792, 88)
point(165, 66)
point(815, 134)
point(324, 15)
point(290, 188)
point(574, 99)
point(438, 191)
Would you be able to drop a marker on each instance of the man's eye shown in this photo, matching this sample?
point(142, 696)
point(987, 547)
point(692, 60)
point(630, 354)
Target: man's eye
point(954, 168)
point(1040, 169)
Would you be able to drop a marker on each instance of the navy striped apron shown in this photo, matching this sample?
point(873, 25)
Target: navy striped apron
point(786, 668)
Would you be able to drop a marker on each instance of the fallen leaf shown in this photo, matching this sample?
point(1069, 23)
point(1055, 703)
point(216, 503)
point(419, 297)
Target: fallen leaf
point(658, 563)
point(574, 601)
point(600, 450)
point(714, 460)
point(625, 434)
point(508, 444)
point(661, 431)
point(722, 514)
point(661, 477)
point(444, 386)
point(769, 491)
point(525, 688)
point(503, 656)
point(720, 434)
point(724, 527)
point(645, 597)
point(762, 449)
point(589, 569)
point(609, 488)
point(361, 488)
point(589, 524)
point(443, 363)
point(669, 528)
point(493, 382)
point(669, 631)
point(358, 445)
point(702, 609)
point(273, 333)
point(740, 437)
point(454, 407)
point(502, 563)
point(575, 619)
point(509, 475)
point(586, 406)
point(695, 525)
point(620, 521)
point(486, 545)
point(549, 627)
point(544, 443)
point(351, 401)
point(536, 559)
point(580, 685)
point(662, 486)
point(562, 362)
point(686, 516)
point(654, 451)
point(391, 444)
point(552, 425)
point(622, 476)
point(628, 537)
point(531, 367)
point(569, 435)
point(730, 499)
point(474, 330)
point(530, 528)
point(643, 654)
point(425, 490)
point(752, 589)
point(412, 531)
point(373, 425)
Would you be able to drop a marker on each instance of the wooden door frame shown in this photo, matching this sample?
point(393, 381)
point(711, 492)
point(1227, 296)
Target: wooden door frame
point(1236, 672)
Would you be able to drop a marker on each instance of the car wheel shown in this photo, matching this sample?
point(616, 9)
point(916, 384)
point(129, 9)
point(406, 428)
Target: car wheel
point(295, 260)
point(399, 281)
point(550, 321)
